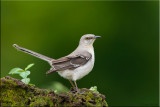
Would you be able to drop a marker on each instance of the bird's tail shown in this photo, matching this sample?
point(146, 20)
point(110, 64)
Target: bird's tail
point(33, 53)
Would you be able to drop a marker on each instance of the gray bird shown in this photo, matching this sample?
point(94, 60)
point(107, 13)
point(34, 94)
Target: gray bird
point(73, 66)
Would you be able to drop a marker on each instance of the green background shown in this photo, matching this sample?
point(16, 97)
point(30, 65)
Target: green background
point(126, 65)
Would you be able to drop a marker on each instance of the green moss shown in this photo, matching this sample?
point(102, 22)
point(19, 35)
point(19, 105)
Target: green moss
point(7, 82)
point(41, 101)
point(12, 94)
point(89, 98)
point(15, 93)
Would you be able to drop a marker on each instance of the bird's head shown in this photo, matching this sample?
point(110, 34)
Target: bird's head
point(88, 39)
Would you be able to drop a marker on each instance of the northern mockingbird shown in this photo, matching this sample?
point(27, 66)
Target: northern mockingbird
point(73, 66)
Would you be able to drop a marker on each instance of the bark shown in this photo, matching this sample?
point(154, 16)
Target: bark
point(16, 93)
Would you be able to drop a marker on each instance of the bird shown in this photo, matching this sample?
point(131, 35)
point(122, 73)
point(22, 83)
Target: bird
point(74, 66)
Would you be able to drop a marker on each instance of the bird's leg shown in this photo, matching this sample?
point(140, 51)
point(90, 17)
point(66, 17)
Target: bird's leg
point(72, 89)
point(76, 86)
point(78, 91)
point(72, 83)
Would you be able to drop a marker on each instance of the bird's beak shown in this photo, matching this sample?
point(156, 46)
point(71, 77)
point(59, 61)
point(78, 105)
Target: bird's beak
point(97, 37)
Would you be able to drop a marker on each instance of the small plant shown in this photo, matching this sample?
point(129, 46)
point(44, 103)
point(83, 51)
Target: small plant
point(23, 73)
point(94, 89)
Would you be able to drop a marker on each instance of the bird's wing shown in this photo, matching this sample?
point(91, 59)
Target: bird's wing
point(70, 62)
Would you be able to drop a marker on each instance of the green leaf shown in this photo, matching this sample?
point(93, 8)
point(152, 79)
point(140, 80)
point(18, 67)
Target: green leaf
point(94, 89)
point(32, 84)
point(26, 80)
point(16, 71)
point(29, 66)
point(24, 74)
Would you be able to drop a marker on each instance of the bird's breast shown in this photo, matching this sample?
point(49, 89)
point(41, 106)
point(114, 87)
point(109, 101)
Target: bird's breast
point(81, 71)
point(85, 69)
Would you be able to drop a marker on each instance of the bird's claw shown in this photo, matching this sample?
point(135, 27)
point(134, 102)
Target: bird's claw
point(80, 92)
point(77, 91)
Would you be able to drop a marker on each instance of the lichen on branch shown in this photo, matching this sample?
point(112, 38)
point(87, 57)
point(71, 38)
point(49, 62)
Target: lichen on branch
point(16, 93)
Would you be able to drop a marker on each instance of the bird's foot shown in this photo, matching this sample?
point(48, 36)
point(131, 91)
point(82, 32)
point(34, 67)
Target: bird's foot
point(77, 91)
point(73, 90)
point(82, 93)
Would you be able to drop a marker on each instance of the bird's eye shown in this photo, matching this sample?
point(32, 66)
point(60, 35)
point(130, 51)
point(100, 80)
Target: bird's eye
point(87, 38)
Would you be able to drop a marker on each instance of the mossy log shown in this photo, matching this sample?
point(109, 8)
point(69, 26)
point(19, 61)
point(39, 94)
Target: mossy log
point(16, 93)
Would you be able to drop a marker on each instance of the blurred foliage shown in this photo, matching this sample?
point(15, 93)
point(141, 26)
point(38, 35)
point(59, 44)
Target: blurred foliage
point(56, 86)
point(126, 65)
